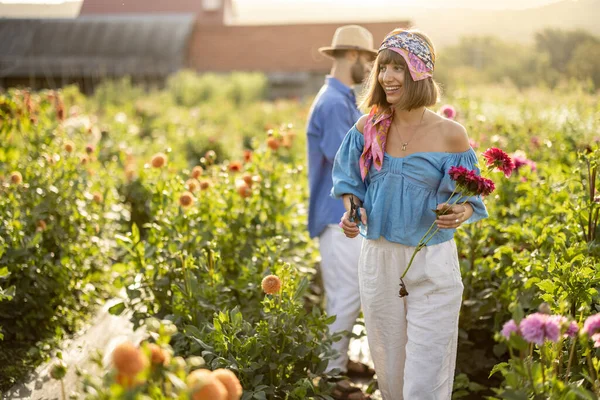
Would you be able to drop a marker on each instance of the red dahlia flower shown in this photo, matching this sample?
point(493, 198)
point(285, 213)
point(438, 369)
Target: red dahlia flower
point(496, 158)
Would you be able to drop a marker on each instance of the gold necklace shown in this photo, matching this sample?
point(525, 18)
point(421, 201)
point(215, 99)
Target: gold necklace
point(404, 144)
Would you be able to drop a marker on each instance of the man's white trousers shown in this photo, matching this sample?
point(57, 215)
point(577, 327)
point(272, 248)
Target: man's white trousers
point(339, 268)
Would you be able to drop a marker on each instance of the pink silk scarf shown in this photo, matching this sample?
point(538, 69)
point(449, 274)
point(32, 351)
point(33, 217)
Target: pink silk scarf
point(375, 135)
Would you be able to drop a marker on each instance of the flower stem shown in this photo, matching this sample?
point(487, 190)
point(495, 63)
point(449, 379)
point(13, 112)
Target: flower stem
point(542, 363)
point(571, 354)
point(558, 368)
point(426, 238)
point(62, 389)
point(588, 356)
point(528, 362)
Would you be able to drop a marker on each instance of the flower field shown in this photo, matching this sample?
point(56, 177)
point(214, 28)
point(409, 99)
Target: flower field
point(190, 202)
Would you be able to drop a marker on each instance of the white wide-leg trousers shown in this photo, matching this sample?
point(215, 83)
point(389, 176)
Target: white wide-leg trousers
point(339, 268)
point(413, 339)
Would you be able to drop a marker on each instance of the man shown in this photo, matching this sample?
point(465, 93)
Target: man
point(332, 114)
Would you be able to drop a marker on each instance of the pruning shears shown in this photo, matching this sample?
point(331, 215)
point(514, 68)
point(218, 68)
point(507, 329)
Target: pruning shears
point(354, 211)
point(356, 217)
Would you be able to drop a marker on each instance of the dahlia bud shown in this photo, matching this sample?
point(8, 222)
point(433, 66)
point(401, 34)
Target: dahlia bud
point(186, 199)
point(271, 284)
point(248, 179)
point(210, 156)
point(197, 172)
point(98, 198)
point(192, 185)
point(16, 177)
point(58, 370)
point(40, 225)
point(128, 359)
point(235, 166)
point(243, 189)
point(159, 160)
point(273, 143)
point(204, 184)
point(69, 147)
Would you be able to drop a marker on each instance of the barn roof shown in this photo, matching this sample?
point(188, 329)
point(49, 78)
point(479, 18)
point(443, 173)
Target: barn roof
point(96, 46)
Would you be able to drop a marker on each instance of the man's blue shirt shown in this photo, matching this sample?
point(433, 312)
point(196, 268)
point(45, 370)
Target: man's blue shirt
point(332, 114)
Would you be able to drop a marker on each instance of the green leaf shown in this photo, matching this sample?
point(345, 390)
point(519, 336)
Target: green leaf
point(135, 233)
point(513, 395)
point(122, 238)
point(301, 289)
point(117, 309)
point(260, 395)
point(498, 367)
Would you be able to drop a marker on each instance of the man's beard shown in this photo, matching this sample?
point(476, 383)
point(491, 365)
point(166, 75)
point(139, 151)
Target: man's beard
point(357, 72)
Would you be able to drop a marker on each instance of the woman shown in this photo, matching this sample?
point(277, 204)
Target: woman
point(394, 163)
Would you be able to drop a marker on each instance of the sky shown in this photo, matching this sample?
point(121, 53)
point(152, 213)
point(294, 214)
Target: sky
point(514, 4)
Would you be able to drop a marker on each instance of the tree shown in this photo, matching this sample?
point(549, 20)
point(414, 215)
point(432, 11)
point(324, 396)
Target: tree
point(561, 45)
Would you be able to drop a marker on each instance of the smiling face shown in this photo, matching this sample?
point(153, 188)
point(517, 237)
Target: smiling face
point(391, 77)
point(391, 84)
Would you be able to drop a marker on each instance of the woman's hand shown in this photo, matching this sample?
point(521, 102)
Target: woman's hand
point(351, 228)
point(455, 216)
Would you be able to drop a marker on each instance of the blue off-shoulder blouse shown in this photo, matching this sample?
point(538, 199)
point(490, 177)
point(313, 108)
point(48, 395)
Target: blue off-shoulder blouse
point(400, 198)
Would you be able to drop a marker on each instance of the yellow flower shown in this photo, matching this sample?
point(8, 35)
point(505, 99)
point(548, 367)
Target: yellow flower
point(271, 284)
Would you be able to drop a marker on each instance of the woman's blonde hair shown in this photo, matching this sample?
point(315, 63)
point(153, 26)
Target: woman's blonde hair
point(415, 94)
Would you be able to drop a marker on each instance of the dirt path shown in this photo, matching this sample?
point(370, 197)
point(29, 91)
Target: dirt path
point(103, 332)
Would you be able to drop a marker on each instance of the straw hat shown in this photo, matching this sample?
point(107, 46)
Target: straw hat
point(350, 37)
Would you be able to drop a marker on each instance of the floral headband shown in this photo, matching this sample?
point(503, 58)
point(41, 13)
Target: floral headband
point(417, 53)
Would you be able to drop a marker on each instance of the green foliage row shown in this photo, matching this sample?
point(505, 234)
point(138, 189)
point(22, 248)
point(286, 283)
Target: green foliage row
point(557, 59)
point(58, 218)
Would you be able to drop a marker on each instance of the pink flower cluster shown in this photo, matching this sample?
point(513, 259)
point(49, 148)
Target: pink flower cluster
point(538, 327)
point(509, 328)
point(591, 328)
point(521, 160)
point(496, 158)
point(448, 111)
point(470, 183)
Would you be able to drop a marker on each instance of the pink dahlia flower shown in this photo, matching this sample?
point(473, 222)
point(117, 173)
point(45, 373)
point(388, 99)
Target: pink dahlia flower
point(509, 328)
point(537, 327)
point(572, 329)
point(448, 111)
point(591, 325)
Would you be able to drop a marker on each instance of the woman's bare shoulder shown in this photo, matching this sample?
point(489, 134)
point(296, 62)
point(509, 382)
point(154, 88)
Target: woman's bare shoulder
point(457, 139)
point(360, 124)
